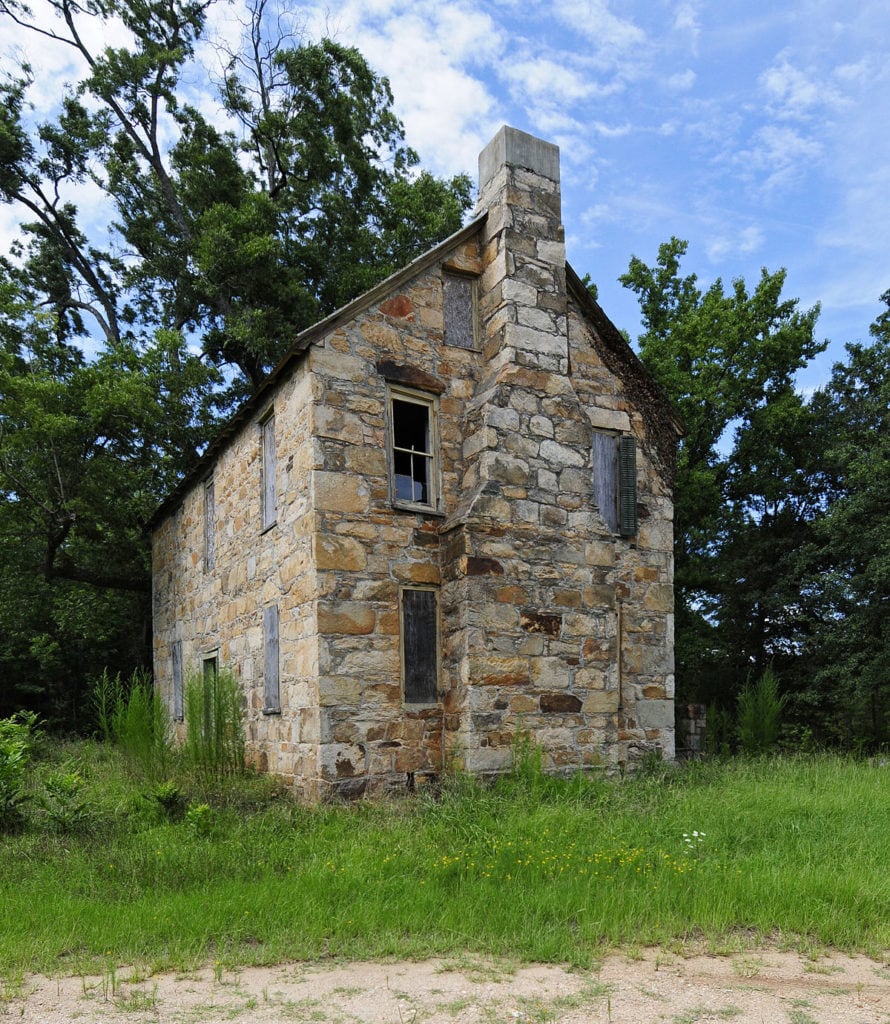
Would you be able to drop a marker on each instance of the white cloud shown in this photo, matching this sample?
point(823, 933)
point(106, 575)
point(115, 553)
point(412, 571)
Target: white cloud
point(683, 81)
point(613, 37)
point(744, 242)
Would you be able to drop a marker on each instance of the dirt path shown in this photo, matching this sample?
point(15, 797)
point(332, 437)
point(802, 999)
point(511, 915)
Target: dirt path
point(756, 987)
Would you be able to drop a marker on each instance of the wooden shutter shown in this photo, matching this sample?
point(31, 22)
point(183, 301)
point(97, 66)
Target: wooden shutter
point(269, 498)
point(177, 681)
point(460, 311)
point(271, 690)
point(209, 525)
point(420, 646)
point(627, 486)
point(605, 479)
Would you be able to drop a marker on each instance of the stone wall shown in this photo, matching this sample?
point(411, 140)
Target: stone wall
point(551, 624)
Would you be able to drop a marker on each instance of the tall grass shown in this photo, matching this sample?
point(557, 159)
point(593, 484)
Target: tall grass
point(214, 744)
point(793, 850)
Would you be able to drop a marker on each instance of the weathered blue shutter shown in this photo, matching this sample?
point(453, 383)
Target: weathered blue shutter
point(420, 646)
point(627, 486)
point(271, 690)
point(177, 681)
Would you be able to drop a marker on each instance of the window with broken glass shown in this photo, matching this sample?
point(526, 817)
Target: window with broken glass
point(413, 449)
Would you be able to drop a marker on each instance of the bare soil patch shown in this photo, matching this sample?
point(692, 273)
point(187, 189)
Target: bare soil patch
point(640, 988)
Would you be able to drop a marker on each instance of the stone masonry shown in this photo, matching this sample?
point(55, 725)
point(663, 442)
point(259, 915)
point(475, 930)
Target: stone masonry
point(551, 624)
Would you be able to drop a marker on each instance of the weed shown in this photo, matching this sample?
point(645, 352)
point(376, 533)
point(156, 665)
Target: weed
point(16, 739)
point(214, 744)
point(135, 717)
point(760, 714)
point(63, 802)
point(800, 1017)
point(139, 1000)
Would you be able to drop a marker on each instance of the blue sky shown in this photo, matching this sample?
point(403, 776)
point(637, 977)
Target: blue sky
point(757, 131)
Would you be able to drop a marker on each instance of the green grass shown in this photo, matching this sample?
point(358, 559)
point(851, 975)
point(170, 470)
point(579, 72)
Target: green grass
point(794, 851)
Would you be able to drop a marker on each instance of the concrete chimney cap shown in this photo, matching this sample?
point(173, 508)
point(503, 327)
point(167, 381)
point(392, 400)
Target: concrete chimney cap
point(518, 149)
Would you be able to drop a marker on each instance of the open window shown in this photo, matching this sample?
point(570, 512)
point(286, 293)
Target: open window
point(413, 439)
point(615, 481)
point(420, 644)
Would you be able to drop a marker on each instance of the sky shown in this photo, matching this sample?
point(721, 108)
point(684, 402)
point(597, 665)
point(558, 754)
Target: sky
point(757, 131)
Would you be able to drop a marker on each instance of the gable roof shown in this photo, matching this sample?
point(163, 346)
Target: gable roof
point(294, 354)
point(616, 353)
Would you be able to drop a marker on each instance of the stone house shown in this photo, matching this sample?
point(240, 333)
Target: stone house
point(444, 521)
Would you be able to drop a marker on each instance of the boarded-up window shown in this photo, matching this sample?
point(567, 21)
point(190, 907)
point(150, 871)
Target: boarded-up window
point(413, 454)
point(209, 525)
point(615, 481)
point(460, 311)
point(177, 681)
point(267, 473)
point(420, 646)
point(271, 689)
point(210, 669)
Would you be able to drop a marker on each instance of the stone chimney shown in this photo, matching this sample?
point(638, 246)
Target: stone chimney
point(522, 303)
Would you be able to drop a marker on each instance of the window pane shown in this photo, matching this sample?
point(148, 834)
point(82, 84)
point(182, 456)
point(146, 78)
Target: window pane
point(411, 474)
point(411, 426)
point(420, 642)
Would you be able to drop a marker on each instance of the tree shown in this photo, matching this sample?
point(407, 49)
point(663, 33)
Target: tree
point(241, 243)
point(86, 447)
point(727, 360)
point(225, 237)
point(848, 559)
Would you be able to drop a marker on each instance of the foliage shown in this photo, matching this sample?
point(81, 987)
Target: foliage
point(218, 246)
point(16, 739)
point(214, 717)
point(846, 566)
point(760, 714)
point(140, 725)
point(785, 847)
point(62, 799)
point(744, 503)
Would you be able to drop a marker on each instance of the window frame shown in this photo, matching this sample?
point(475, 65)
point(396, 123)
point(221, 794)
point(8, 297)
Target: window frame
point(268, 470)
point(396, 393)
point(437, 666)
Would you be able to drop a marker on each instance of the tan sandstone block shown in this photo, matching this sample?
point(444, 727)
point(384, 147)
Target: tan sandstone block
point(350, 617)
point(343, 553)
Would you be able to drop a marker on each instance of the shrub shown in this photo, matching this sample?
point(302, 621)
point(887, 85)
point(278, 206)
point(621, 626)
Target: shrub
point(16, 738)
point(760, 714)
point(62, 801)
point(214, 744)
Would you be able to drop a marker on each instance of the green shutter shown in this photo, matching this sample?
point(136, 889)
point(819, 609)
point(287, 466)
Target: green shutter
point(627, 486)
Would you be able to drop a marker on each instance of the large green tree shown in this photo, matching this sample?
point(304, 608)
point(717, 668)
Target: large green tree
point(847, 564)
point(727, 359)
point(220, 238)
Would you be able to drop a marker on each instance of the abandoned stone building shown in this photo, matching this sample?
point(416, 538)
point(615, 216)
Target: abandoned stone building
point(444, 521)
